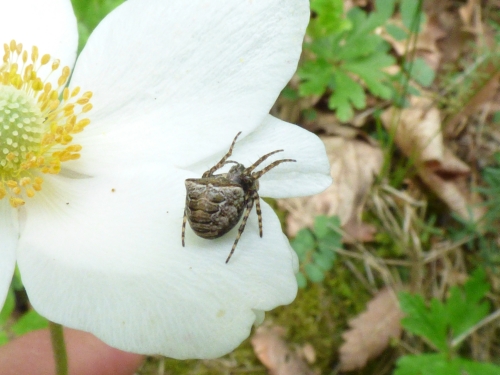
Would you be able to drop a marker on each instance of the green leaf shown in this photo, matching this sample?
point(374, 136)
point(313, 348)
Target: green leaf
point(385, 8)
point(89, 13)
point(423, 364)
point(327, 230)
point(477, 368)
point(30, 321)
point(321, 226)
point(329, 17)
point(420, 72)
point(438, 364)
point(396, 32)
point(411, 14)
point(370, 71)
point(315, 76)
point(346, 91)
point(324, 261)
point(303, 242)
point(314, 273)
point(463, 307)
point(289, 93)
point(429, 322)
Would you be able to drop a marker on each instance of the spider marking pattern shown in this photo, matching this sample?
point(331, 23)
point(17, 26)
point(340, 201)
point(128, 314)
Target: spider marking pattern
point(215, 203)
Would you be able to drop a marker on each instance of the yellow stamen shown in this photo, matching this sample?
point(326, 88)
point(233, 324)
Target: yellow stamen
point(37, 121)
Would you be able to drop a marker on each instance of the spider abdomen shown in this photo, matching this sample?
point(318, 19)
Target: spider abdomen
point(214, 205)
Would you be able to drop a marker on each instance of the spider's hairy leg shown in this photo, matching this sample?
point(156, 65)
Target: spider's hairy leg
point(222, 161)
point(259, 174)
point(184, 219)
point(260, 160)
point(242, 226)
point(256, 198)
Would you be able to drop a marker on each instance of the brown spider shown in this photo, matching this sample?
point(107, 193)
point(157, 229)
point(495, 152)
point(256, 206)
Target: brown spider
point(215, 203)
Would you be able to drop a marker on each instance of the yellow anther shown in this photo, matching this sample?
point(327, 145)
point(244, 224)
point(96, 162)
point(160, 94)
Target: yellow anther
point(25, 181)
point(16, 190)
point(74, 148)
point(25, 56)
point(75, 91)
point(11, 183)
point(45, 59)
point(30, 193)
point(55, 64)
point(62, 80)
point(12, 45)
point(65, 94)
point(47, 87)
point(81, 125)
point(16, 202)
point(19, 48)
point(6, 48)
point(69, 107)
point(87, 107)
point(83, 101)
point(34, 54)
point(66, 139)
point(37, 85)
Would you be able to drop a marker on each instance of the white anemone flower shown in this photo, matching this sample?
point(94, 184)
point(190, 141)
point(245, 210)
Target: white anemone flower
point(93, 200)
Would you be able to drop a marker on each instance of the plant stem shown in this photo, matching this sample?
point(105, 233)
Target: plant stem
point(59, 348)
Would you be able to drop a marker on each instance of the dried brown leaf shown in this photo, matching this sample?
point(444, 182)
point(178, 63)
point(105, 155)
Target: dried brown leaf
point(418, 135)
point(448, 179)
point(426, 43)
point(354, 163)
point(274, 353)
point(371, 331)
point(417, 130)
point(466, 11)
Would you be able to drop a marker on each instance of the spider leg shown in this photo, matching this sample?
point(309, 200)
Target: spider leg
point(242, 226)
point(184, 219)
point(257, 175)
point(259, 211)
point(222, 161)
point(254, 165)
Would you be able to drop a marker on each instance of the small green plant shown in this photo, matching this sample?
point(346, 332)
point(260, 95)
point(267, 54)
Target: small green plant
point(316, 249)
point(444, 326)
point(482, 233)
point(346, 55)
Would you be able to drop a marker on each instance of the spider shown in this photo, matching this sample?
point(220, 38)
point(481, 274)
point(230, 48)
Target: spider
point(216, 202)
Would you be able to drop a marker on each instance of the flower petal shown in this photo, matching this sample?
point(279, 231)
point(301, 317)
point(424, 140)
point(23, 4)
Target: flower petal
point(9, 233)
point(104, 255)
point(177, 73)
point(50, 25)
point(310, 174)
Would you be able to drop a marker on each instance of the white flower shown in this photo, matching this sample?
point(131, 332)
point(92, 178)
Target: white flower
point(99, 246)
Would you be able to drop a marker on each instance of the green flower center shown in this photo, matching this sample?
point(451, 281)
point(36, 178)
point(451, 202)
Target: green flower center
point(37, 122)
